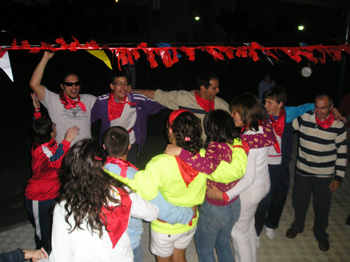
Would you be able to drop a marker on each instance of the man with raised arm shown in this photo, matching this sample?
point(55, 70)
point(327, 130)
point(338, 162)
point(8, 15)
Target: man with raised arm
point(200, 102)
point(68, 108)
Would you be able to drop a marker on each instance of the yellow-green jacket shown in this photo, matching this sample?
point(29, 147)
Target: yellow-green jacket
point(162, 175)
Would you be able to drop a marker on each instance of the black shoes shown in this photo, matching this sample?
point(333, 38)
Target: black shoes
point(323, 245)
point(291, 233)
point(347, 223)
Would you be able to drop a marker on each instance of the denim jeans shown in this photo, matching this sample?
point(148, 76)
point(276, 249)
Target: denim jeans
point(214, 228)
point(138, 253)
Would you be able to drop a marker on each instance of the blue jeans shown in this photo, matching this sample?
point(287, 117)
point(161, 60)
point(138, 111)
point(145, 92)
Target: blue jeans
point(138, 253)
point(214, 230)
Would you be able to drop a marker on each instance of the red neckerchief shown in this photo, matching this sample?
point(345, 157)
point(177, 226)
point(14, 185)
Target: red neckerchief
point(245, 147)
point(325, 123)
point(117, 217)
point(123, 164)
point(188, 173)
point(70, 103)
point(207, 105)
point(115, 109)
point(278, 125)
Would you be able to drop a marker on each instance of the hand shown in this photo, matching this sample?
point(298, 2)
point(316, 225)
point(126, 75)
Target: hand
point(172, 150)
point(334, 186)
point(48, 55)
point(338, 116)
point(71, 133)
point(195, 209)
point(35, 99)
point(35, 255)
point(214, 193)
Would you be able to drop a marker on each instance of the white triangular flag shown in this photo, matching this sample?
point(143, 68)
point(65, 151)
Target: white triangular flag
point(6, 65)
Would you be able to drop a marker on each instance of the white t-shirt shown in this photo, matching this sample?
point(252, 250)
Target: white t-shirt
point(127, 120)
point(66, 118)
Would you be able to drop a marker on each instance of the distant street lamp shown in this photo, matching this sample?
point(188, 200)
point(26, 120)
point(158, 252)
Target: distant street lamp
point(301, 27)
point(197, 18)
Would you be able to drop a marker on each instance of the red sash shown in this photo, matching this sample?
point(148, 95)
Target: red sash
point(117, 218)
point(70, 103)
point(123, 164)
point(207, 105)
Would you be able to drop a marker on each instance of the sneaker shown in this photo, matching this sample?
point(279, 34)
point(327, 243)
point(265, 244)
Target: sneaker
point(270, 233)
point(347, 223)
point(257, 242)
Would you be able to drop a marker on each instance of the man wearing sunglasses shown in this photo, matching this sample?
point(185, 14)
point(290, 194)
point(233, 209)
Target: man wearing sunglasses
point(68, 108)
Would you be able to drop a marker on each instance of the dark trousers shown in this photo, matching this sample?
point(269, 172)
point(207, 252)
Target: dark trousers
point(40, 215)
point(132, 154)
point(304, 186)
point(270, 208)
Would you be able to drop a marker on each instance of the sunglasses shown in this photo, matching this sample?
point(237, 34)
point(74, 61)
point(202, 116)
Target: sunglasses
point(71, 83)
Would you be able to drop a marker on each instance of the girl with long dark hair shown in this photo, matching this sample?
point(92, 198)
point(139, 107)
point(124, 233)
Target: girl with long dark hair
point(92, 215)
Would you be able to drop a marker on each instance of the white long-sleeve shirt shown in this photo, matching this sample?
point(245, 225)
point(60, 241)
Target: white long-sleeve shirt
point(83, 245)
point(257, 172)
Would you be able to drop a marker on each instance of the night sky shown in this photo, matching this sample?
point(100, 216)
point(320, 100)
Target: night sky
point(270, 23)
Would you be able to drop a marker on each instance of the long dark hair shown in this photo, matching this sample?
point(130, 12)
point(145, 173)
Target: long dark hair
point(85, 186)
point(219, 127)
point(250, 109)
point(187, 131)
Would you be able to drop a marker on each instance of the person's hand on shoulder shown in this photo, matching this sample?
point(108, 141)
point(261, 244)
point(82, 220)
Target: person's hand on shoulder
point(172, 150)
point(337, 115)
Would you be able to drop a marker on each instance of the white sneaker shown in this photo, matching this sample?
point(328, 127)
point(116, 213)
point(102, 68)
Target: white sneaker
point(270, 233)
point(257, 242)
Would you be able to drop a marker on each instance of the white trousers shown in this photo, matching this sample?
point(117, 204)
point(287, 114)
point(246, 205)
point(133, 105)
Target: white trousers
point(243, 232)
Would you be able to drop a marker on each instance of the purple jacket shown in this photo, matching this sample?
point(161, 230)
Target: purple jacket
point(145, 106)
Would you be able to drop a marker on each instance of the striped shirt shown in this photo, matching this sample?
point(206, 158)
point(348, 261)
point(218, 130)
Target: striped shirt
point(322, 152)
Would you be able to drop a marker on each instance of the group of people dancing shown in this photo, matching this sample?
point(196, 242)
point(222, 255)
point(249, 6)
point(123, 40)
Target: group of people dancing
point(223, 176)
point(226, 177)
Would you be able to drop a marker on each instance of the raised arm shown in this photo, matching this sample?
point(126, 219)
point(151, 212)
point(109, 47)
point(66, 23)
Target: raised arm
point(147, 92)
point(35, 81)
